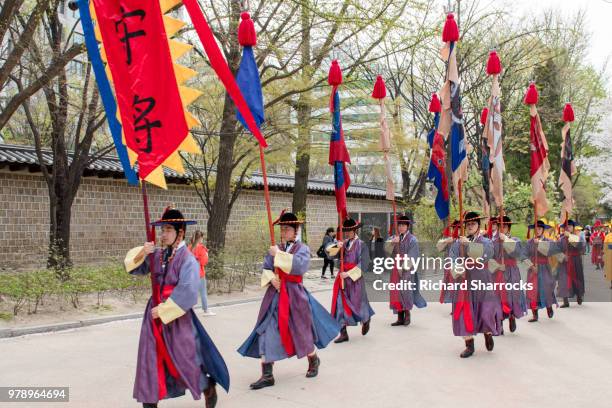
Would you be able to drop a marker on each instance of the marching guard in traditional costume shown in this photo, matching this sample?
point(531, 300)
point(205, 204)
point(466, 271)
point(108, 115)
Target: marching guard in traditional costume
point(508, 251)
point(474, 310)
point(402, 301)
point(451, 233)
point(597, 240)
point(570, 273)
point(608, 256)
point(290, 322)
point(539, 275)
point(350, 303)
point(175, 354)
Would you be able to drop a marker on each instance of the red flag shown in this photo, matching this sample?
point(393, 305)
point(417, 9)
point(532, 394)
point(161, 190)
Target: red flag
point(539, 154)
point(338, 153)
point(138, 54)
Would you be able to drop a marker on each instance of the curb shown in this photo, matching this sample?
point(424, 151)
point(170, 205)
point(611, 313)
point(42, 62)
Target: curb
point(18, 332)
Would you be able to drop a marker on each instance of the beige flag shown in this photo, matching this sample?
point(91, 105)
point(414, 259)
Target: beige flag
point(493, 134)
point(568, 169)
point(385, 146)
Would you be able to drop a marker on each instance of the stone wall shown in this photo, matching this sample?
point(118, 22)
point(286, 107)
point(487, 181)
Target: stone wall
point(107, 216)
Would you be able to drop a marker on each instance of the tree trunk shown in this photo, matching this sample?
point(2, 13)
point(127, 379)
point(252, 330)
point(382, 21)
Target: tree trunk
point(302, 165)
point(304, 112)
point(60, 214)
point(216, 227)
point(59, 237)
point(220, 212)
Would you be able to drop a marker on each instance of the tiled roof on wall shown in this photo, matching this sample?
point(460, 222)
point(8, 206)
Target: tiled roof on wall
point(20, 157)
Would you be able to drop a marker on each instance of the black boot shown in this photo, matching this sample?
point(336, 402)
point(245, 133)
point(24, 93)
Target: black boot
point(406, 317)
point(149, 405)
point(550, 312)
point(210, 395)
point(489, 343)
point(469, 349)
point(266, 380)
point(512, 323)
point(400, 319)
point(565, 303)
point(343, 336)
point(365, 328)
point(535, 316)
point(313, 366)
point(579, 300)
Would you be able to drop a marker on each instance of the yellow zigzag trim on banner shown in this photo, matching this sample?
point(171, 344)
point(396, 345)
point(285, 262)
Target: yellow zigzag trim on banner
point(167, 5)
point(188, 95)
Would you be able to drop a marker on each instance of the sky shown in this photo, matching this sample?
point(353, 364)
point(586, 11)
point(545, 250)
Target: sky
point(599, 22)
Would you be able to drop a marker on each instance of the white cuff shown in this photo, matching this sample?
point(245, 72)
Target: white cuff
point(475, 250)
point(266, 277)
point(169, 311)
point(283, 260)
point(544, 247)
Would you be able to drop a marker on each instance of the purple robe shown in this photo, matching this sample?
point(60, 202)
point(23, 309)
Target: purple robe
point(446, 294)
point(355, 292)
point(408, 245)
point(192, 352)
point(515, 297)
point(484, 304)
point(309, 323)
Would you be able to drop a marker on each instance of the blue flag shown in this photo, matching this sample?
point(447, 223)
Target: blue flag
point(250, 85)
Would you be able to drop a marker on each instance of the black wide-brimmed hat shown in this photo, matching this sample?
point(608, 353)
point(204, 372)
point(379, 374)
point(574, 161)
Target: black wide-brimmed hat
point(288, 218)
point(540, 224)
point(506, 220)
point(472, 216)
point(569, 222)
point(173, 217)
point(404, 219)
point(350, 225)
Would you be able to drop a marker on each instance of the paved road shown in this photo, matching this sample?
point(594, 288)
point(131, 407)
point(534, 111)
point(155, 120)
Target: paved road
point(564, 362)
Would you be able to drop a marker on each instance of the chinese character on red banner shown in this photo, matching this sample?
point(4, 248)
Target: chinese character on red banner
point(146, 89)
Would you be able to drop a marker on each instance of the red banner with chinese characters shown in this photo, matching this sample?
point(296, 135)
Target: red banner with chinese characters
point(146, 89)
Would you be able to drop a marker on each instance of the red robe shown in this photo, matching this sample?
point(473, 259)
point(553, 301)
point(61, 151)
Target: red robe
point(597, 238)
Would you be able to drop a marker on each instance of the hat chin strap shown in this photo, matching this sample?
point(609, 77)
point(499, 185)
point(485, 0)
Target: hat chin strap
point(176, 240)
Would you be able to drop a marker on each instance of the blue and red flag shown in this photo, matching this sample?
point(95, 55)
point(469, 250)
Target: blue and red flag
point(451, 121)
point(437, 163)
point(338, 154)
point(247, 77)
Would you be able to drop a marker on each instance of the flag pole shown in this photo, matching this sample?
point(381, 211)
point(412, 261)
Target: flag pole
point(264, 173)
point(341, 249)
point(535, 233)
point(460, 186)
point(150, 238)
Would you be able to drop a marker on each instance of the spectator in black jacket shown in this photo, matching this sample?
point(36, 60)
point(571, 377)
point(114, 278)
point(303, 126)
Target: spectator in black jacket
point(328, 239)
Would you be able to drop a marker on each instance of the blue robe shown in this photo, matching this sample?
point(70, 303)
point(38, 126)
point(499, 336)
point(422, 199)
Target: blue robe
point(310, 324)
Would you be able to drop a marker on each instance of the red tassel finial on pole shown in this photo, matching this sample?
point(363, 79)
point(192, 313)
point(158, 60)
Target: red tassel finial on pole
point(380, 90)
point(568, 113)
point(493, 64)
point(335, 74)
point(450, 33)
point(531, 97)
point(435, 106)
point(483, 116)
point(246, 31)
